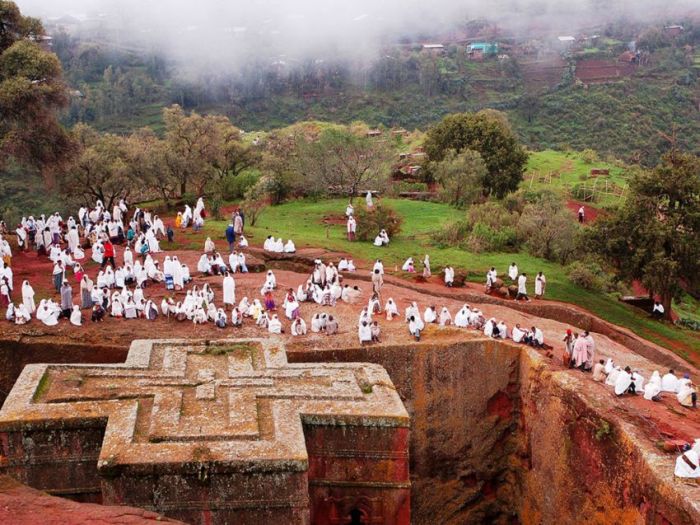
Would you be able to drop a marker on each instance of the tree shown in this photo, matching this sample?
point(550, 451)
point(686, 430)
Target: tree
point(655, 236)
point(340, 161)
point(489, 134)
point(548, 229)
point(144, 157)
point(461, 176)
point(31, 93)
point(100, 171)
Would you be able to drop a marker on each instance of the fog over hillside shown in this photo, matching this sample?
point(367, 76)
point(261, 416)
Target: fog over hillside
point(222, 34)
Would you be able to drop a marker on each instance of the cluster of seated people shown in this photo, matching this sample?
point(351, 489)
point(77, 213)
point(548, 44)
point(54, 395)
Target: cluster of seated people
point(628, 381)
point(278, 246)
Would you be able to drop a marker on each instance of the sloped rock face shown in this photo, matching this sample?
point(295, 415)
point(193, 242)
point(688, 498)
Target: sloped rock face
point(21, 504)
point(586, 464)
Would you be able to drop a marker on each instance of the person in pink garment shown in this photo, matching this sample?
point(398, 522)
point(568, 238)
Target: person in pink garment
point(580, 355)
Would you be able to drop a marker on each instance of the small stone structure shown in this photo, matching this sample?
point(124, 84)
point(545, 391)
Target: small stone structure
point(214, 432)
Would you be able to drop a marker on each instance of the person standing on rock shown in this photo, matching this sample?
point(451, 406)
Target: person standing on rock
point(513, 272)
point(522, 288)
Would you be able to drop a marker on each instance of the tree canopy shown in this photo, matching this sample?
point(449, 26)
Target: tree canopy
point(340, 161)
point(489, 134)
point(655, 236)
point(31, 93)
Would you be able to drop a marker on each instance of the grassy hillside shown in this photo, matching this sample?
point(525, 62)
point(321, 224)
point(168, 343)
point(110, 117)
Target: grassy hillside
point(303, 221)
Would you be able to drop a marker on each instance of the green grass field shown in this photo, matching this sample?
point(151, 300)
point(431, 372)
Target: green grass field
point(302, 221)
point(562, 171)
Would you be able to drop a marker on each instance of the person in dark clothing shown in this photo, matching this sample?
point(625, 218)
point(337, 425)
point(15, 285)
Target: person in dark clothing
point(230, 237)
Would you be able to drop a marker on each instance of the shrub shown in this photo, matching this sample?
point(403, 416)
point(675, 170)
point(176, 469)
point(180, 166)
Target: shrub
point(548, 230)
point(589, 275)
point(589, 156)
point(235, 187)
point(380, 217)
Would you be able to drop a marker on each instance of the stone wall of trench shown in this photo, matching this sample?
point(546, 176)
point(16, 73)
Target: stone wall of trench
point(464, 405)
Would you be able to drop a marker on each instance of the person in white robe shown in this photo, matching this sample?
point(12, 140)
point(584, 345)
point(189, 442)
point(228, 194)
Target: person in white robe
point(351, 266)
point(408, 265)
point(502, 330)
point(489, 326)
point(278, 246)
point(687, 394)
point(638, 381)
point(22, 316)
point(670, 383)
point(623, 382)
point(229, 286)
point(76, 317)
point(415, 327)
point(364, 333)
point(289, 247)
point(298, 327)
point(178, 277)
point(540, 285)
point(244, 307)
point(233, 261)
point(462, 317)
point(652, 391)
point(271, 280)
point(49, 314)
point(242, 242)
point(368, 200)
point(349, 210)
point(256, 311)
point(612, 376)
point(269, 243)
point(199, 316)
point(391, 309)
point(688, 463)
point(430, 315)
point(518, 334)
point(318, 323)
point(275, 325)
point(291, 306)
point(343, 264)
point(209, 246)
point(449, 276)
point(522, 288)
point(445, 317)
point(203, 265)
point(513, 272)
point(28, 297)
point(221, 319)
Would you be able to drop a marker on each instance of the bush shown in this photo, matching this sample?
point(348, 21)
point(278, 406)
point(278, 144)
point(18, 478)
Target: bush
point(235, 187)
point(380, 217)
point(484, 238)
point(548, 229)
point(589, 275)
point(488, 227)
point(589, 156)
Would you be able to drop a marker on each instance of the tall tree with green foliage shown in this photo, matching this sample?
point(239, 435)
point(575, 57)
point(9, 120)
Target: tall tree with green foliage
point(489, 134)
point(461, 176)
point(31, 93)
point(100, 170)
point(655, 236)
point(343, 162)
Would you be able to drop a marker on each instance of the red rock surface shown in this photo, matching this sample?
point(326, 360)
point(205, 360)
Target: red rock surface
point(22, 505)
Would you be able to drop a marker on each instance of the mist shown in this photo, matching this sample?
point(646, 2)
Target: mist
point(223, 35)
